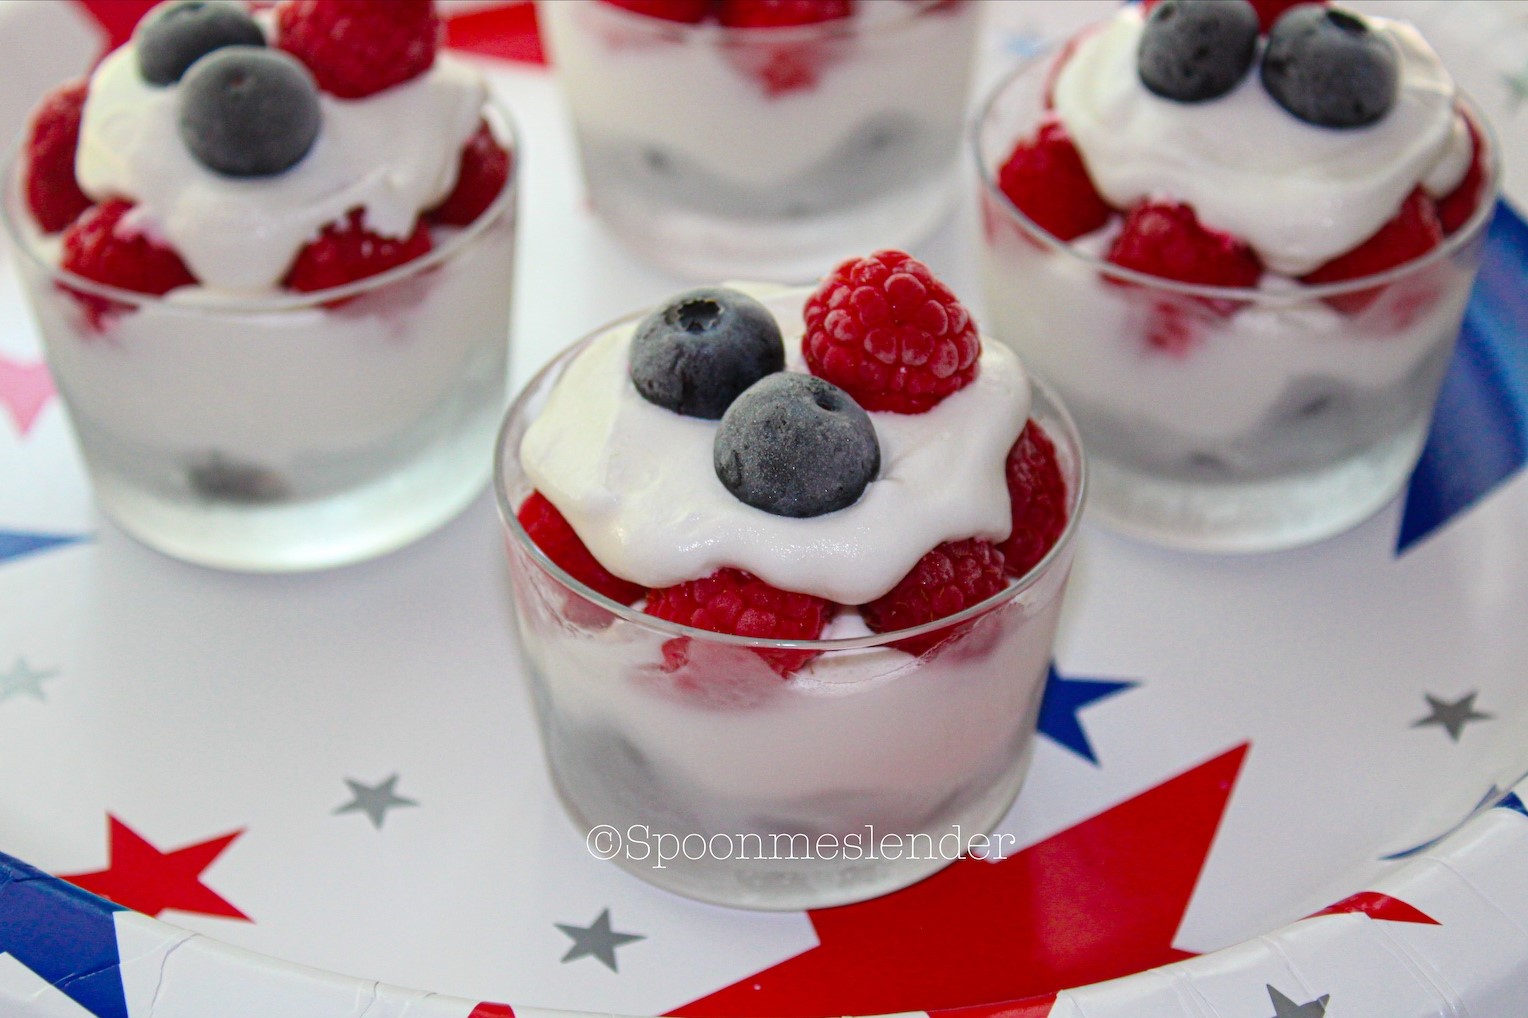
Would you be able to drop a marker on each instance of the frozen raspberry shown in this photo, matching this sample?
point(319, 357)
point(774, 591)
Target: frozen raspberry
point(53, 193)
point(1037, 495)
point(1166, 240)
point(781, 13)
point(1046, 180)
point(346, 251)
point(358, 47)
point(552, 533)
point(1269, 11)
point(98, 247)
point(783, 67)
point(733, 601)
point(480, 176)
point(949, 579)
point(685, 11)
point(1456, 207)
point(884, 330)
point(1413, 232)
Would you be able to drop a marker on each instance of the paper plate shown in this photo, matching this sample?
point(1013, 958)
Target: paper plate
point(1281, 785)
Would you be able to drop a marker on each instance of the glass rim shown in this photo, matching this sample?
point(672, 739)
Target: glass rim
point(282, 302)
point(1076, 498)
point(908, 12)
point(1467, 232)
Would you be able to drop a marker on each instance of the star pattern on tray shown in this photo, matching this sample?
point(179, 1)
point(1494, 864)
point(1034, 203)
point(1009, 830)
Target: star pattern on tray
point(1101, 899)
point(1284, 1007)
point(26, 387)
point(1491, 797)
point(597, 940)
point(23, 679)
point(1452, 715)
point(373, 800)
point(18, 543)
point(146, 879)
point(1062, 701)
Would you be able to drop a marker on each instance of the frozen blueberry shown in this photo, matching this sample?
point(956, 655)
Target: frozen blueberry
point(173, 36)
point(248, 112)
point(697, 352)
point(1326, 67)
point(796, 445)
point(1195, 50)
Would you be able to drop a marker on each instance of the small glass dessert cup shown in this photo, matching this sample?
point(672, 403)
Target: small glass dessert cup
point(692, 763)
point(1224, 419)
point(766, 153)
point(289, 432)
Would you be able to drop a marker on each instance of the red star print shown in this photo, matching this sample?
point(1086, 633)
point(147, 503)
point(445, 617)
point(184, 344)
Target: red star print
point(1378, 906)
point(25, 389)
point(144, 879)
point(1099, 900)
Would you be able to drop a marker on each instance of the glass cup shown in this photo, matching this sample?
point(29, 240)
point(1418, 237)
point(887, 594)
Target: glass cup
point(766, 153)
point(688, 761)
point(1223, 419)
point(291, 432)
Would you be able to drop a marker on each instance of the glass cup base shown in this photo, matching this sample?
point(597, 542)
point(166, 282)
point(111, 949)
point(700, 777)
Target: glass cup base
point(1251, 516)
point(702, 245)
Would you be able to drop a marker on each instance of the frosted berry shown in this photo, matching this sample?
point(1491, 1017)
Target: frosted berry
point(697, 353)
point(737, 602)
point(356, 48)
point(888, 333)
point(796, 445)
point(175, 35)
point(1326, 67)
point(248, 112)
point(947, 580)
point(1196, 50)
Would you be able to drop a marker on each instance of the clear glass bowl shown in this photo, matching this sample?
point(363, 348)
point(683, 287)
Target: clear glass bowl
point(292, 432)
point(1294, 414)
point(766, 153)
point(706, 773)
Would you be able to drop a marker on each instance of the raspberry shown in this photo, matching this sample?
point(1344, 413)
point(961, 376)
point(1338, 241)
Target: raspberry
point(883, 329)
point(1413, 232)
point(346, 251)
point(733, 601)
point(480, 176)
point(685, 11)
point(99, 248)
point(551, 532)
point(1166, 240)
point(947, 580)
point(1046, 180)
point(781, 67)
point(1269, 11)
point(1037, 495)
point(53, 193)
point(1456, 207)
point(359, 47)
point(781, 13)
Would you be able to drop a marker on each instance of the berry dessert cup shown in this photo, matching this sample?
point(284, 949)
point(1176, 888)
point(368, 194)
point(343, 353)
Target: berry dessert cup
point(1244, 271)
point(787, 639)
point(765, 138)
point(281, 336)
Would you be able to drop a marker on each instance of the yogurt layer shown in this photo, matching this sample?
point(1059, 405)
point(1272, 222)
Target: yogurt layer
point(637, 484)
point(1298, 193)
point(392, 154)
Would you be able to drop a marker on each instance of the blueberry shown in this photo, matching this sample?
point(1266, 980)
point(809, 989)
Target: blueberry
point(173, 36)
point(1324, 66)
point(1195, 50)
point(248, 112)
point(697, 352)
point(796, 445)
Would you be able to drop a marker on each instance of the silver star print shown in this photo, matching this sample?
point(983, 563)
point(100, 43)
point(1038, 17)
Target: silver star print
point(374, 800)
point(22, 679)
point(597, 940)
point(1452, 716)
point(1283, 1007)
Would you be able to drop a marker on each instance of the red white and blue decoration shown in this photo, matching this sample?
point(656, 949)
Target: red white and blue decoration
point(1278, 786)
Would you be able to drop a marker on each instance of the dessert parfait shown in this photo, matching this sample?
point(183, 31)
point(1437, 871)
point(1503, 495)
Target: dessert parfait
point(765, 138)
point(269, 254)
point(1239, 239)
point(787, 568)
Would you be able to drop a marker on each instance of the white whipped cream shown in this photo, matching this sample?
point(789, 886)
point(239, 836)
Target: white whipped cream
point(637, 483)
point(392, 154)
point(1298, 193)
